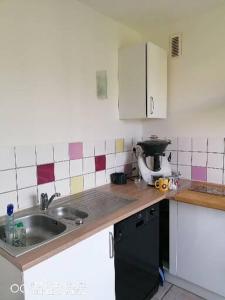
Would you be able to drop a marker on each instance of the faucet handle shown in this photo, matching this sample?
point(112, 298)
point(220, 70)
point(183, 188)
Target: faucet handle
point(44, 196)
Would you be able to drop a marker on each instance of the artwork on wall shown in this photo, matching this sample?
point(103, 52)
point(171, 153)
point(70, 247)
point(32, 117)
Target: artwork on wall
point(101, 83)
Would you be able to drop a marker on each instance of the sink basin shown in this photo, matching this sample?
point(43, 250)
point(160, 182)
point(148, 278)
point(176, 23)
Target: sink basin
point(39, 228)
point(67, 212)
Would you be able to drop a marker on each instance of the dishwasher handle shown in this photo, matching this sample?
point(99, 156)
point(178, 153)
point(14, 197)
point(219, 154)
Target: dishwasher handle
point(111, 245)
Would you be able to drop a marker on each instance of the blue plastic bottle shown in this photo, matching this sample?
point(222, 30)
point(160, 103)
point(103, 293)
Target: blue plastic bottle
point(9, 230)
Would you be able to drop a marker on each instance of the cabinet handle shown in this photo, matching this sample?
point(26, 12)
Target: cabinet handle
point(111, 245)
point(152, 105)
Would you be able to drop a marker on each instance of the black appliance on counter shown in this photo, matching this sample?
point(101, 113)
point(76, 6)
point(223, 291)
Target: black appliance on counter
point(137, 255)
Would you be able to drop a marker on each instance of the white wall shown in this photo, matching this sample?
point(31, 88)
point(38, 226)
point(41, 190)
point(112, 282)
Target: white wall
point(196, 80)
point(50, 51)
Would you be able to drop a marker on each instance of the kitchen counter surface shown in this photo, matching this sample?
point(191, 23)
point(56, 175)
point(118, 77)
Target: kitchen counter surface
point(144, 197)
point(202, 194)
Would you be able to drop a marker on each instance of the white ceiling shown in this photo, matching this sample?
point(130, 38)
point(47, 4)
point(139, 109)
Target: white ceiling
point(141, 14)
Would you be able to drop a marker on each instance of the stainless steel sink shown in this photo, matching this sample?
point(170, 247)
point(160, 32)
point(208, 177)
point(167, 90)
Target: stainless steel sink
point(67, 212)
point(39, 229)
point(65, 215)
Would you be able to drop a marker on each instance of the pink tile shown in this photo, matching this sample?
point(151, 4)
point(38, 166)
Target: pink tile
point(45, 173)
point(76, 150)
point(100, 163)
point(199, 173)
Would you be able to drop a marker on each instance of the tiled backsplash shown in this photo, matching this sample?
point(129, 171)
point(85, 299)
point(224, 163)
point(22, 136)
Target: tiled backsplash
point(198, 158)
point(28, 171)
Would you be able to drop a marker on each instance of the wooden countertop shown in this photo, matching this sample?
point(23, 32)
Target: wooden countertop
point(210, 200)
point(144, 195)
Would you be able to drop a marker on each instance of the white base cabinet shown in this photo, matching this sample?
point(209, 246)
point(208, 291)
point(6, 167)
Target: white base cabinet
point(84, 271)
point(198, 246)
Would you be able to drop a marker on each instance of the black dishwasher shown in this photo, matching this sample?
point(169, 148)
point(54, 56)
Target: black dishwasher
point(137, 255)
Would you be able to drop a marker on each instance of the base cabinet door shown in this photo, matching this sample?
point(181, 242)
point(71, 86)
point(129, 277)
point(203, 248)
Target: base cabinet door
point(201, 246)
point(83, 272)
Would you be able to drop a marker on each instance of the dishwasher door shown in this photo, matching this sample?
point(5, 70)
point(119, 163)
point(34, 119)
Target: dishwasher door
point(137, 255)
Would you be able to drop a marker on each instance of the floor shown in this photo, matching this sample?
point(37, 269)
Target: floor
point(172, 292)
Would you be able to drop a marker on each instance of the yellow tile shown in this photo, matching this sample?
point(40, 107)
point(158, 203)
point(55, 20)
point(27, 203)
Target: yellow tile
point(77, 184)
point(119, 145)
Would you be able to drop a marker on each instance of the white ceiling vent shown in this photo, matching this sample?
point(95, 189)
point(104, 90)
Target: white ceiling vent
point(176, 45)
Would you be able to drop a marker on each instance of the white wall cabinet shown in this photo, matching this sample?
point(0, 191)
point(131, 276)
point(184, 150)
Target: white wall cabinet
point(142, 82)
point(86, 270)
point(201, 246)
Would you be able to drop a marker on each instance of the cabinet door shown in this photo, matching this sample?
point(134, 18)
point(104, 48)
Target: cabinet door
point(156, 81)
point(86, 270)
point(132, 82)
point(201, 246)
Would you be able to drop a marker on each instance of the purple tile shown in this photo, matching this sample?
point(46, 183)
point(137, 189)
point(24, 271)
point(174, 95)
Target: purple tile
point(76, 150)
point(100, 162)
point(128, 169)
point(45, 173)
point(199, 173)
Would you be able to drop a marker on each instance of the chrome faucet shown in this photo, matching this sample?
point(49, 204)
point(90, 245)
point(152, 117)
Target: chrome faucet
point(45, 202)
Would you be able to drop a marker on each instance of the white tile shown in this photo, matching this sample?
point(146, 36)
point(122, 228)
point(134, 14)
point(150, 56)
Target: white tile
point(6, 199)
point(174, 168)
point(108, 173)
point(136, 140)
point(88, 165)
point(215, 160)
point(88, 149)
point(173, 156)
point(110, 161)
point(27, 197)
point(199, 144)
point(26, 177)
point(63, 187)
point(199, 159)
point(128, 144)
point(216, 144)
point(100, 178)
point(173, 145)
point(61, 151)
point(99, 148)
point(184, 143)
point(184, 158)
point(48, 188)
point(76, 167)
point(215, 176)
point(7, 181)
point(123, 158)
point(89, 181)
point(7, 158)
point(110, 146)
point(44, 154)
point(185, 171)
point(25, 156)
point(120, 169)
point(62, 170)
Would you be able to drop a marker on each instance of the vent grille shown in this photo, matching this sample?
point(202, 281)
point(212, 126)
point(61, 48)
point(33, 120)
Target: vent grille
point(175, 45)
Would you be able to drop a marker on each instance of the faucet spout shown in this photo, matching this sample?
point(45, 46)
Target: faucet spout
point(45, 202)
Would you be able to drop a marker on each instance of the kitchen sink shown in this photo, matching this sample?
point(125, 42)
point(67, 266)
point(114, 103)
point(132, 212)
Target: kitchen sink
point(67, 212)
point(39, 228)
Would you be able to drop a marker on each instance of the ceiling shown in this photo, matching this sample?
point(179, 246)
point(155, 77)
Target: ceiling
point(141, 14)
